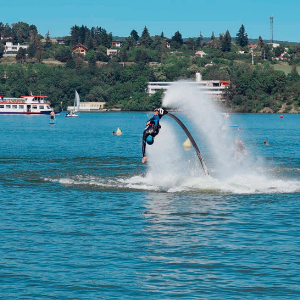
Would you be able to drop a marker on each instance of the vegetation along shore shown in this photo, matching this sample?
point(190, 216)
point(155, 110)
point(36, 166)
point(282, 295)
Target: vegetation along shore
point(116, 70)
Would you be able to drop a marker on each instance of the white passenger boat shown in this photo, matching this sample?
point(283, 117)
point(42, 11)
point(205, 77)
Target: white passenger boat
point(25, 105)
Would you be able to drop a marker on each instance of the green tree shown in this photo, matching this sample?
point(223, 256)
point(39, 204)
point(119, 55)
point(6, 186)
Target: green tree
point(21, 55)
point(190, 44)
point(242, 37)
point(39, 54)
point(135, 35)
point(199, 41)
point(123, 55)
point(31, 51)
point(48, 43)
point(1, 50)
point(294, 75)
point(145, 38)
point(266, 52)
point(129, 43)
point(155, 100)
point(260, 42)
point(212, 38)
point(20, 32)
point(101, 54)
point(70, 64)
point(63, 54)
point(157, 42)
point(75, 35)
point(177, 38)
point(7, 31)
point(79, 61)
point(1, 31)
point(89, 42)
point(97, 94)
point(35, 39)
point(92, 61)
point(225, 41)
point(142, 55)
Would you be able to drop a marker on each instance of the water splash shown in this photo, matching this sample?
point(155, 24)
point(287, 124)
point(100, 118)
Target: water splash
point(224, 155)
point(232, 169)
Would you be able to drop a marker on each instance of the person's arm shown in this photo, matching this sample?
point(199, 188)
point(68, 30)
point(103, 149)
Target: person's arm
point(152, 121)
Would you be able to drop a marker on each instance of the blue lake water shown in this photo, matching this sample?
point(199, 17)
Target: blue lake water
point(82, 218)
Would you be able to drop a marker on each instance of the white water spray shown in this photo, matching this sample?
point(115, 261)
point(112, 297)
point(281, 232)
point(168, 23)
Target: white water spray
point(172, 169)
point(222, 155)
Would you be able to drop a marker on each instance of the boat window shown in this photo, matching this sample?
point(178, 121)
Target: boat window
point(34, 106)
point(1, 106)
point(8, 106)
point(21, 106)
point(41, 107)
point(15, 106)
point(48, 107)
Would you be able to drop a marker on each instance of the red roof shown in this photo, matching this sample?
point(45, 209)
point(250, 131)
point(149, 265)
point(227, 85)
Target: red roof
point(224, 82)
point(79, 46)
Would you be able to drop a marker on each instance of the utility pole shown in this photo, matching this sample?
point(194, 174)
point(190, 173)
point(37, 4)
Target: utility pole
point(271, 28)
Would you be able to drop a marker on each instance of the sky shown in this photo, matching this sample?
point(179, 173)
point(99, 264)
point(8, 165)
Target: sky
point(189, 17)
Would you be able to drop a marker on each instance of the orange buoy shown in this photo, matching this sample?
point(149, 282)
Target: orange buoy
point(281, 117)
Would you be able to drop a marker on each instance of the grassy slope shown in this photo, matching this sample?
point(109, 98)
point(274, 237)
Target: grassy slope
point(285, 68)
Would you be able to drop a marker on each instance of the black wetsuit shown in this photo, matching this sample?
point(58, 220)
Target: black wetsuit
point(152, 129)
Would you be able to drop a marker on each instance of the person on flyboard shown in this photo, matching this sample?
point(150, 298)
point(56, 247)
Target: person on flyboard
point(152, 130)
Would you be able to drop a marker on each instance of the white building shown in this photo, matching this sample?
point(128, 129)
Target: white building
point(274, 45)
point(9, 47)
point(89, 106)
point(212, 88)
point(112, 52)
point(200, 53)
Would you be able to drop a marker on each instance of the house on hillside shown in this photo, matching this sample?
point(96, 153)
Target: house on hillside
point(116, 44)
point(252, 47)
point(209, 64)
point(274, 45)
point(60, 41)
point(167, 43)
point(282, 56)
point(9, 47)
point(79, 48)
point(200, 53)
point(111, 52)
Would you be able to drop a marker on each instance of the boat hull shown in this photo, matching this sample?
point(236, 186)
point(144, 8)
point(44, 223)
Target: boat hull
point(25, 113)
point(71, 116)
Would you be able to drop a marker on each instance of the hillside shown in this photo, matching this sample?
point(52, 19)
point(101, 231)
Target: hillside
point(263, 78)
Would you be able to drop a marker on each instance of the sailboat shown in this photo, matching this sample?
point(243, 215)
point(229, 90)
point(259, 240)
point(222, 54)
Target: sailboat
point(72, 113)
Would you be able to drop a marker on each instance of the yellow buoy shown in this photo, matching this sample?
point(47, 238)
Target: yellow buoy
point(119, 132)
point(187, 144)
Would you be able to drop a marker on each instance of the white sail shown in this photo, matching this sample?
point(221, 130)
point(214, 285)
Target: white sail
point(76, 101)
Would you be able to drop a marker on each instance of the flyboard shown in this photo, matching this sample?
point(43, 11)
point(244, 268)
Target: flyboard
point(162, 112)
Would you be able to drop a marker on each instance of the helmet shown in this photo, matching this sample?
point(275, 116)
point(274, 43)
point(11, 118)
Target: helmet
point(149, 139)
